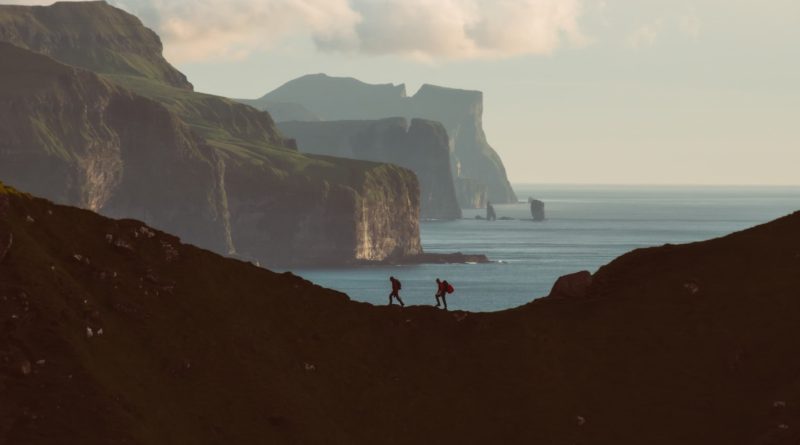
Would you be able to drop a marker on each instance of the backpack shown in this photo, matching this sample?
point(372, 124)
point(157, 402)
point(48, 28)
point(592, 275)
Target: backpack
point(399, 285)
point(450, 288)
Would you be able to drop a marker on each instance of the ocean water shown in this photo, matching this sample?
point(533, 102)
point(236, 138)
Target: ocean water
point(587, 226)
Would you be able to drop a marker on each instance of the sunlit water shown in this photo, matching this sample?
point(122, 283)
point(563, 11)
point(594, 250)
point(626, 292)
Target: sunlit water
point(587, 227)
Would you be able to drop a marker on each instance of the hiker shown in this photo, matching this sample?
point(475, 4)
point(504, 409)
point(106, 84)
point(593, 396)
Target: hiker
point(440, 291)
point(444, 289)
point(396, 286)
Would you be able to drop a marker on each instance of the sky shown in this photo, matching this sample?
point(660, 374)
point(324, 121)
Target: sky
point(576, 91)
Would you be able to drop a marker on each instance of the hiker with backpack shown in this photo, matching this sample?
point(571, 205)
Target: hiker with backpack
point(440, 291)
point(396, 286)
point(443, 288)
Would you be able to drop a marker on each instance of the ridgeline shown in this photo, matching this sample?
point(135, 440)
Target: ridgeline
point(114, 332)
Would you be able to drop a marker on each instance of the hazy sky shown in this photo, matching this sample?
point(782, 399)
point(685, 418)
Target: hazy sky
point(576, 91)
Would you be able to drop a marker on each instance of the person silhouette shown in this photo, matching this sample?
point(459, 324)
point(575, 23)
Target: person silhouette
point(440, 291)
point(396, 286)
point(446, 288)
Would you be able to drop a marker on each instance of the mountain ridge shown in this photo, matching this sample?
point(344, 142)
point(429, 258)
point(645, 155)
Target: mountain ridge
point(93, 35)
point(460, 111)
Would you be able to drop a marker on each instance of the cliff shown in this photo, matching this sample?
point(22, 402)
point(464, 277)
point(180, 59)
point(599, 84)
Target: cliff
point(93, 35)
point(214, 171)
point(460, 111)
point(360, 212)
point(71, 136)
point(537, 209)
point(420, 146)
point(283, 111)
point(471, 193)
point(118, 333)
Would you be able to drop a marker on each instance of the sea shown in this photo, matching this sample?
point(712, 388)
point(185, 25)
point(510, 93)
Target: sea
point(587, 226)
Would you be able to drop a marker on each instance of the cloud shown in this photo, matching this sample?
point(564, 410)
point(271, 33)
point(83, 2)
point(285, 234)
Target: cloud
point(462, 29)
point(645, 35)
point(690, 25)
point(198, 30)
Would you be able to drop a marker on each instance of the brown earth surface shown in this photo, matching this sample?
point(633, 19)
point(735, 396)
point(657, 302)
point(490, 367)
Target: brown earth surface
point(690, 344)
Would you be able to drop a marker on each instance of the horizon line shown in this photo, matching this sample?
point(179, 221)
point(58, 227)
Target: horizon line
point(618, 184)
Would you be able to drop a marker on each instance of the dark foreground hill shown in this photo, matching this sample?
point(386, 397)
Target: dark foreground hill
point(693, 344)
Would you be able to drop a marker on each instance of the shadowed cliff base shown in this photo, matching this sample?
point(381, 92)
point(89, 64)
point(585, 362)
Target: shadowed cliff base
point(438, 258)
point(117, 333)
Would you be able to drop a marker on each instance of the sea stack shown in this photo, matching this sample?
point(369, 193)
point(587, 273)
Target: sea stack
point(537, 209)
point(490, 214)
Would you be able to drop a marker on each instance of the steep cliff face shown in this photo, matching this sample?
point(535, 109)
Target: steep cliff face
point(471, 193)
point(115, 333)
point(71, 136)
point(214, 171)
point(460, 111)
point(421, 146)
point(93, 35)
point(361, 212)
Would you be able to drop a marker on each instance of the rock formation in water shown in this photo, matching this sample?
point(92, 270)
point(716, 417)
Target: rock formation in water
point(115, 333)
point(537, 209)
point(420, 146)
point(490, 214)
point(460, 111)
point(137, 142)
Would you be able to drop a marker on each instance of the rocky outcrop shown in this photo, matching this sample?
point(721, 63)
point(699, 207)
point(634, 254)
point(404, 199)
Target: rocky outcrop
point(574, 285)
point(93, 35)
point(420, 146)
point(537, 209)
point(460, 111)
point(490, 213)
point(143, 145)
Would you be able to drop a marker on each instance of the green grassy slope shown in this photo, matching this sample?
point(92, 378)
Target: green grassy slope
point(271, 201)
point(92, 35)
point(111, 42)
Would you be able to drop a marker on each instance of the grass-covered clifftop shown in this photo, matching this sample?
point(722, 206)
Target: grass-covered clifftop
point(93, 35)
point(690, 344)
point(78, 128)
